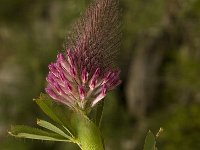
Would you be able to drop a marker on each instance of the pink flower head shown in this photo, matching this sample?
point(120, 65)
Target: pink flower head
point(83, 74)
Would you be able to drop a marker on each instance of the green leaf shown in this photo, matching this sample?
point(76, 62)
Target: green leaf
point(22, 131)
point(88, 134)
point(96, 113)
point(150, 142)
point(53, 128)
point(46, 105)
point(58, 113)
point(99, 112)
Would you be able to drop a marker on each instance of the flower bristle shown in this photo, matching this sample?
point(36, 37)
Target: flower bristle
point(97, 34)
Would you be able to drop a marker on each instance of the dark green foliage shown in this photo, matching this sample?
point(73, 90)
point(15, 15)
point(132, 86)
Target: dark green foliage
point(182, 129)
point(150, 142)
point(34, 133)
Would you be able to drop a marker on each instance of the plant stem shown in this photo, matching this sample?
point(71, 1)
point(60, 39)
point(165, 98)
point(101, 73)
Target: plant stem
point(87, 133)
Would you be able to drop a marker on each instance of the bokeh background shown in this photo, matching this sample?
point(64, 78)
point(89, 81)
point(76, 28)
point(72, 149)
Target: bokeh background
point(159, 58)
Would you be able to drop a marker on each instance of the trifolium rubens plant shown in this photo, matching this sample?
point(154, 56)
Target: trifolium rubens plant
point(79, 80)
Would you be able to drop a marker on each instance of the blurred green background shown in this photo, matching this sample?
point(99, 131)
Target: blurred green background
point(159, 58)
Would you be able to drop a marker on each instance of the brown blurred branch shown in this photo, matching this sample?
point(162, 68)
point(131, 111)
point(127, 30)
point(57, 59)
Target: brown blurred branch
point(145, 81)
point(152, 52)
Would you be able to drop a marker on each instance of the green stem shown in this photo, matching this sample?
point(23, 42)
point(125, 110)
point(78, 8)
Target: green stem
point(87, 133)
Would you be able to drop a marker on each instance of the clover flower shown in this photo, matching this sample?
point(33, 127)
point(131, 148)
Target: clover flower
point(74, 84)
point(83, 74)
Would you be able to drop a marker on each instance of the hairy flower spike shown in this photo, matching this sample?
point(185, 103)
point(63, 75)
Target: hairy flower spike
point(94, 79)
point(84, 76)
point(100, 96)
point(84, 73)
point(82, 93)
